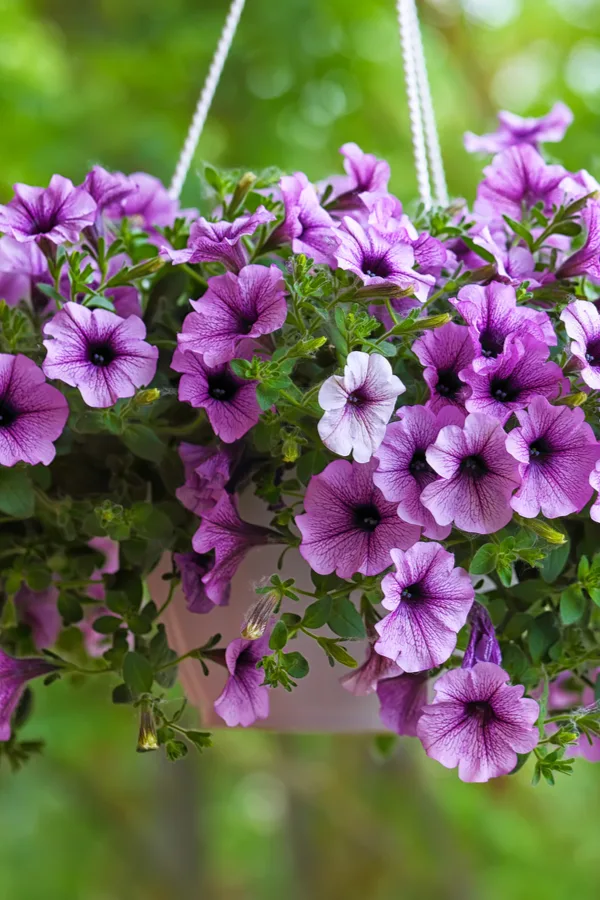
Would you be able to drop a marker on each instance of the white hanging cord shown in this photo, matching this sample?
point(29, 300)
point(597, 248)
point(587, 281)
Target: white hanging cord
point(206, 97)
point(406, 23)
point(431, 133)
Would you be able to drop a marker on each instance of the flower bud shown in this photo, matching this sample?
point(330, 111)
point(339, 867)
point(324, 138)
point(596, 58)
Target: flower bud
point(145, 398)
point(290, 449)
point(542, 529)
point(258, 617)
point(147, 737)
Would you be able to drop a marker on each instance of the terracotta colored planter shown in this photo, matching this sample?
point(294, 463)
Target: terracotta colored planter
point(318, 704)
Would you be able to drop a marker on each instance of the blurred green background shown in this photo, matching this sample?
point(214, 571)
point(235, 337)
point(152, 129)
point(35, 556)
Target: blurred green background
point(261, 816)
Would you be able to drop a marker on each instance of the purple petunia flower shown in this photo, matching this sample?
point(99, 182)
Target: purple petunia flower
point(149, 203)
point(14, 675)
point(245, 698)
point(234, 308)
point(38, 610)
point(380, 259)
point(523, 372)
point(477, 479)
point(107, 188)
point(207, 471)
point(556, 450)
point(307, 226)
point(478, 722)
point(595, 484)
point(358, 405)
point(365, 173)
point(230, 402)
point(22, 268)
point(375, 668)
point(222, 530)
point(57, 213)
point(582, 324)
point(429, 601)
point(348, 525)
point(445, 352)
point(220, 241)
point(193, 567)
point(32, 413)
point(518, 178)
point(483, 644)
point(493, 316)
point(386, 216)
point(586, 261)
point(514, 130)
point(106, 357)
point(403, 470)
point(402, 700)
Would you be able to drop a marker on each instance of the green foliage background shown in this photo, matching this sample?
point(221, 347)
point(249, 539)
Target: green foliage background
point(261, 816)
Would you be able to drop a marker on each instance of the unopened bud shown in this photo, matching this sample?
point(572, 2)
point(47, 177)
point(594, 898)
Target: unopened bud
point(258, 617)
point(242, 188)
point(409, 326)
point(577, 399)
point(290, 450)
point(542, 529)
point(145, 398)
point(147, 738)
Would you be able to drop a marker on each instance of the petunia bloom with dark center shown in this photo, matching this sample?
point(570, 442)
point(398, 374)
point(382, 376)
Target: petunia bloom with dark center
point(582, 324)
point(233, 308)
point(403, 471)
point(348, 525)
point(556, 450)
point(57, 213)
point(478, 722)
point(100, 353)
point(429, 599)
point(445, 352)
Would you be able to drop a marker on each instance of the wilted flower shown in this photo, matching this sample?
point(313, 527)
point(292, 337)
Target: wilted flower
point(14, 675)
point(244, 699)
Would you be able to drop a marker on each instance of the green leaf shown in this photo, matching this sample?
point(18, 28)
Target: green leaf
point(310, 464)
point(337, 652)
point(583, 569)
point(175, 750)
point(137, 673)
point(572, 604)
point(542, 634)
point(144, 442)
point(595, 595)
point(200, 739)
point(484, 560)
point(122, 694)
point(17, 497)
point(480, 251)
point(555, 562)
point(240, 367)
point(505, 573)
point(69, 608)
point(279, 636)
point(345, 620)
point(317, 613)
point(106, 624)
point(520, 230)
point(295, 665)
point(266, 396)
point(571, 229)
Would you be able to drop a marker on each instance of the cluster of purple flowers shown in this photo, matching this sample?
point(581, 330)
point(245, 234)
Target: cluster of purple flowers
point(497, 424)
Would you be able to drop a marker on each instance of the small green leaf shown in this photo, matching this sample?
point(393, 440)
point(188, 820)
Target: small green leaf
point(345, 620)
point(122, 694)
point(555, 562)
point(520, 230)
point(107, 624)
point(137, 673)
point(572, 604)
point(337, 652)
point(295, 665)
point(17, 497)
point(266, 396)
point(317, 613)
point(144, 442)
point(69, 608)
point(279, 636)
point(200, 739)
point(484, 560)
point(175, 750)
point(595, 595)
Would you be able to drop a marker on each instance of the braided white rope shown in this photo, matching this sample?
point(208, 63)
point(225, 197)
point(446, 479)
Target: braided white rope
point(406, 16)
point(431, 133)
point(206, 98)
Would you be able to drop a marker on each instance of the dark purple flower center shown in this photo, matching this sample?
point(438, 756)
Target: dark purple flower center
point(376, 267)
point(539, 449)
point(418, 464)
point(356, 398)
point(245, 324)
point(474, 467)
point(366, 517)
point(101, 355)
point(504, 390)
point(411, 592)
point(222, 386)
point(481, 710)
point(492, 345)
point(592, 353)
point(8, 415)
point(43, 223)
point(449, 384)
